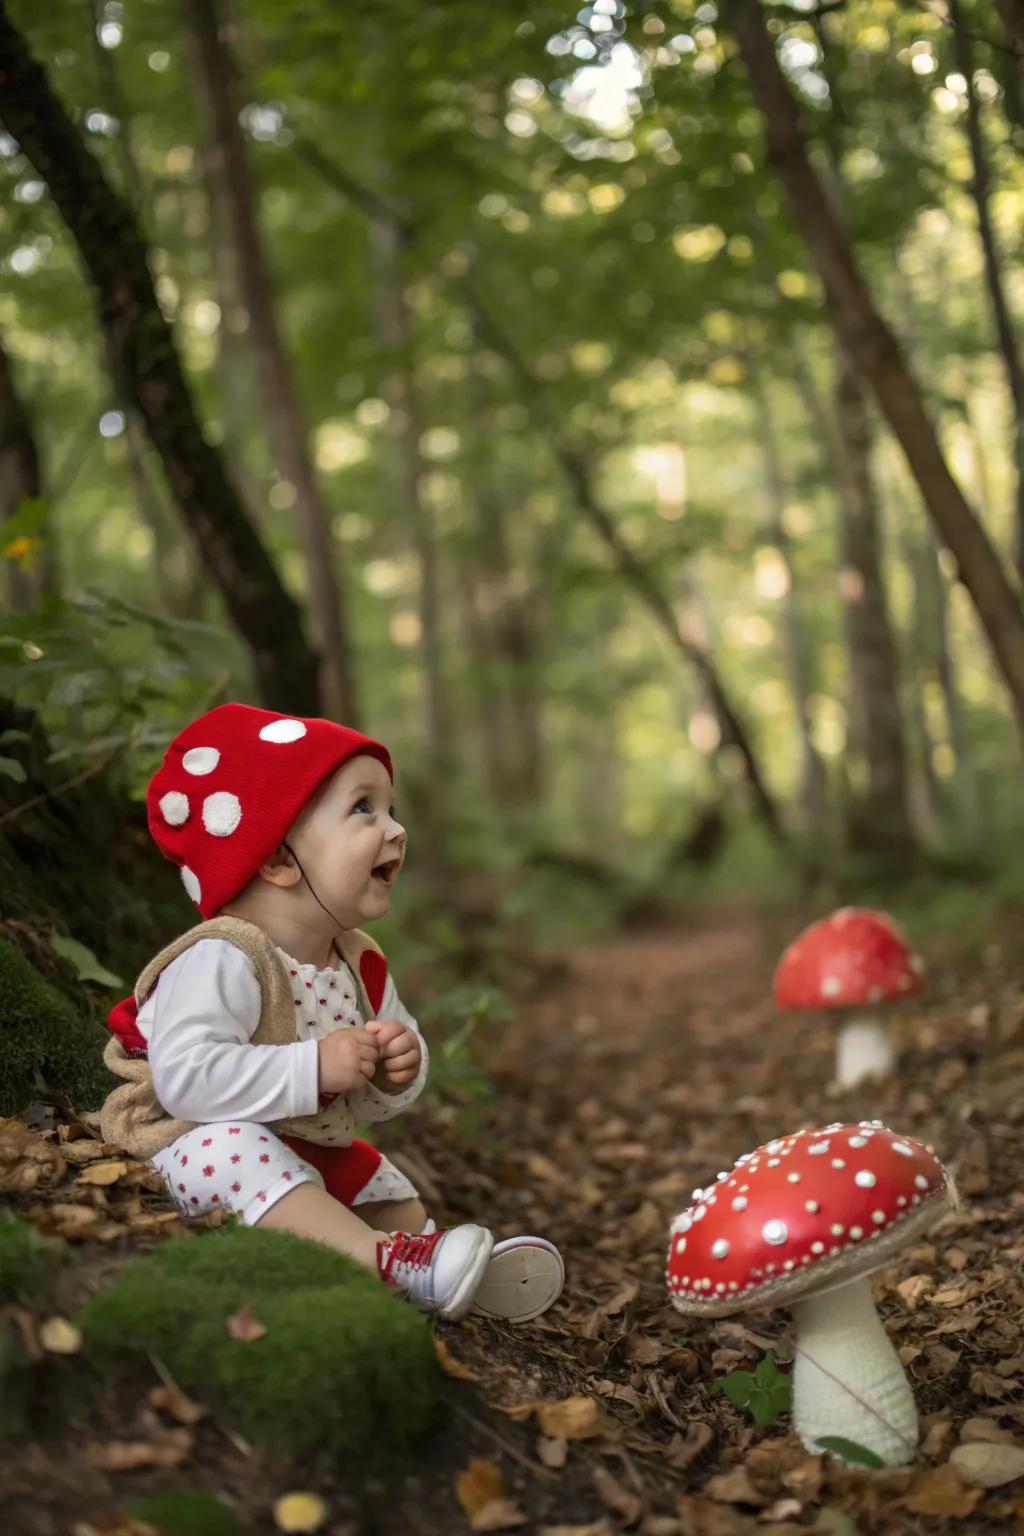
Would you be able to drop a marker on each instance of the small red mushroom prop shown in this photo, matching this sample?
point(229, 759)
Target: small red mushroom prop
point(801, 1223)
point(852, 964)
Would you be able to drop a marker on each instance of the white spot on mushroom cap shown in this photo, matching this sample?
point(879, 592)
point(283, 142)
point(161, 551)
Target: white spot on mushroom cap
point(190, 881)
point(865, 1178)
point(902, 1148)
point(221, 813)
point(775, 1232)
point(831, 986)
point(283, 731)
point(921, 1181)
point(720, 1248)
point(174, 808)
point(858, 1141)
point(818, 1148)
point(740, 1203)
point(200, 760)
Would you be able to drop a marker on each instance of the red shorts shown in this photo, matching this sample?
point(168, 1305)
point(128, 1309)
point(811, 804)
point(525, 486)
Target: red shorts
point(344, 1170)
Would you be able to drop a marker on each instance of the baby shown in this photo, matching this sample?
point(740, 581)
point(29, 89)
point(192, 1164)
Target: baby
point(255, 1042)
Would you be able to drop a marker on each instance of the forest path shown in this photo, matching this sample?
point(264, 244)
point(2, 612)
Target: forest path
point(635, 1071)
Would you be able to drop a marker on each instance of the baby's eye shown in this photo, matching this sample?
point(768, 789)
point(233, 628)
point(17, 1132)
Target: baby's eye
point(363, 800)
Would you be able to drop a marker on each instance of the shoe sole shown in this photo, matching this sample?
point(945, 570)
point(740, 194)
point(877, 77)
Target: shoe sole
point(459, 1304)
point(523, 1279)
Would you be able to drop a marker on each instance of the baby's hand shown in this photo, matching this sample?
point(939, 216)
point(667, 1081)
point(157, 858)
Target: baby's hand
point(399, 1059)
point(348, 1058)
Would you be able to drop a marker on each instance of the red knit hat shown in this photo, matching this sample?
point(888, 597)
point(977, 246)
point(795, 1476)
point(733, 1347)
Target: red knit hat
point(230, 787)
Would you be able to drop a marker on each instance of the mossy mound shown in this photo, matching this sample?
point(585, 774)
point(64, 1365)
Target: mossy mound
point(343, 1364)
point(39, 1027)
point(25, 1259)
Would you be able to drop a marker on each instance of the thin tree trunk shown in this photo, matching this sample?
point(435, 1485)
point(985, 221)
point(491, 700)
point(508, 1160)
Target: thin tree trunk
point(148, 370)
point(968, 780)
point(478, 643)
point(925, 792)
point(963, 50)
point(877, 355)
point(577, 475)
point(878, 815)
point(20, 481)
point(286, 421)
point(394, 325)
point(813, 779)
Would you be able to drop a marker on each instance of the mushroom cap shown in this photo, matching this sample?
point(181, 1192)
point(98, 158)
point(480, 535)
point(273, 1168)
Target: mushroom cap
point(853, 957)
point(802, 1214)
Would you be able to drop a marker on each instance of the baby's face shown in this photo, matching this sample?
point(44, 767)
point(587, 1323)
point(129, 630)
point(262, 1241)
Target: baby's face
point(349, 842)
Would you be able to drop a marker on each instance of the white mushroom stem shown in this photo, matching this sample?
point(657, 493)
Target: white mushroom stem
point(865, 1049)
point(847, 1378)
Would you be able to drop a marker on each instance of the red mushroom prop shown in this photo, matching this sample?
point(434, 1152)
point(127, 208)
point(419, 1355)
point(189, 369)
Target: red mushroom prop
point(801, 1223)
point(852, 964)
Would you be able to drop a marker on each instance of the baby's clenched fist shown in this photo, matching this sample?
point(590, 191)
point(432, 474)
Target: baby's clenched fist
point(347, 1058)
point(400, 1054)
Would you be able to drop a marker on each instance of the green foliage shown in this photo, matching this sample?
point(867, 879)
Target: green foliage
point(849, 1450)
point(344, 1364)
point(766, 1391)
point(187, 1513)
point(40, 1028)
point(86, 965)
point(26, 1258)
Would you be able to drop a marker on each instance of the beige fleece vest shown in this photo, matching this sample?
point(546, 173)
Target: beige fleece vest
point(132, 1116)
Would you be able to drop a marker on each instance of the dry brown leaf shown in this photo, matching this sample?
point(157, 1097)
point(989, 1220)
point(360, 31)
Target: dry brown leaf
point(641, 1349)
point(103, 1173)
point(299, 1512)
point(985, 1429)
point(686, 1448)
point(448, 1363)
point(171, 1399)
point(574, 1418)
point(244, 1326)
point(597, 1528)
point(27, 1161)
point(168, 1449)
point(733, 1487)
point(480, 1489)
point(59, 1337)
point(941, 1491)
point(624, 1503)
point(984, 1464)
point(86, 1150)
point(552, 1452)
point(914, 1289)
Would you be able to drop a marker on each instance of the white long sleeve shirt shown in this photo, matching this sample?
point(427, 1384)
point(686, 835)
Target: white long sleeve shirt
point(199, 1020)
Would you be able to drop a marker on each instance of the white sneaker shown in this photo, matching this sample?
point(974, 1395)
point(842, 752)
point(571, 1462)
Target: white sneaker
point(438, 1271)
point(524, 1277)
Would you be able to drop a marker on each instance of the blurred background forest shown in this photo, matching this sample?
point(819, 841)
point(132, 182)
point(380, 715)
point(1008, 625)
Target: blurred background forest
point(518, 386)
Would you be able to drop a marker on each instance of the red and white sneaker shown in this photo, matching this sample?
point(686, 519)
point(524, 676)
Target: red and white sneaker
point(438, 1271)
point(524, 1277)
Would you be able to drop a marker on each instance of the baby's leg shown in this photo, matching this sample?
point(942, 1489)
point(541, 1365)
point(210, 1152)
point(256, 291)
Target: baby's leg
point(393, 1215)
point(244, 1168)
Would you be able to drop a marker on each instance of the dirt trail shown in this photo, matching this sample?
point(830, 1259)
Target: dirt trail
point(640, 1068)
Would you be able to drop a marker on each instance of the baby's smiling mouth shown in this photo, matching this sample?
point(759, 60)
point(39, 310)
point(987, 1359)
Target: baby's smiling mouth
point(386, 871)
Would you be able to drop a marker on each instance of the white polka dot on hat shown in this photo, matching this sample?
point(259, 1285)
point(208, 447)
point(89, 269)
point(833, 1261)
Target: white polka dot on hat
point(230, 787)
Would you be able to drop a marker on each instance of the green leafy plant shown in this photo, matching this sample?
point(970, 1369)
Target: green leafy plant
point(766, 1391)
point(86, 965)
point(850, 1451)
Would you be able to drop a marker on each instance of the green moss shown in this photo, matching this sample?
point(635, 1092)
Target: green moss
point(39, 1027)
point(343, 1361)
point(25, 1258)
point(187, 1514)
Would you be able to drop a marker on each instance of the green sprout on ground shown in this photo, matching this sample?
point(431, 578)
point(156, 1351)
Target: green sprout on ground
point(766, 1391)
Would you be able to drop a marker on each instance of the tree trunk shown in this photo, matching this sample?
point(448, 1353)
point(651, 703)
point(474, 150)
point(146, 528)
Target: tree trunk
point(20, 481)
point(925, 792)
point(149, 372)
point(963, 50)
point(286, 422)
point(577, 475)
point(813, 792)
point(877, 355)
point(877, 817)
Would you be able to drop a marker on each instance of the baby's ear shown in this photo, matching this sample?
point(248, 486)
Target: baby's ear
point(280, 869)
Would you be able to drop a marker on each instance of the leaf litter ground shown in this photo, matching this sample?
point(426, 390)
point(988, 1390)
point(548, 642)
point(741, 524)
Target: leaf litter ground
point(633, 1071)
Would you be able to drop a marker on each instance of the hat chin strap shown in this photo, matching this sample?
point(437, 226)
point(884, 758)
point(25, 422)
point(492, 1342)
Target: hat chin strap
point(309, 882)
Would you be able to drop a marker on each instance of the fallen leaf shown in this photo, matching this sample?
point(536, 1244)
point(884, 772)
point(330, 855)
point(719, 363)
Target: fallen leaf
point(86, 1150)
point(299, 1512)
point(552, 1452)
point(59, 1337)
point(27, 1161)
point(574, 1418)
point(103, 1173)
point(171, 1399)
point(244, 1326)
point(941, 1491)
point(985, 1464)
point(985, 1429)
point(448, 1363)
point(627, 1505)
point(114, 1525)
point(597, 1528)
point(687, 1448)
point(480, 1489)
point(168, 1449)
point(733, 1487)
